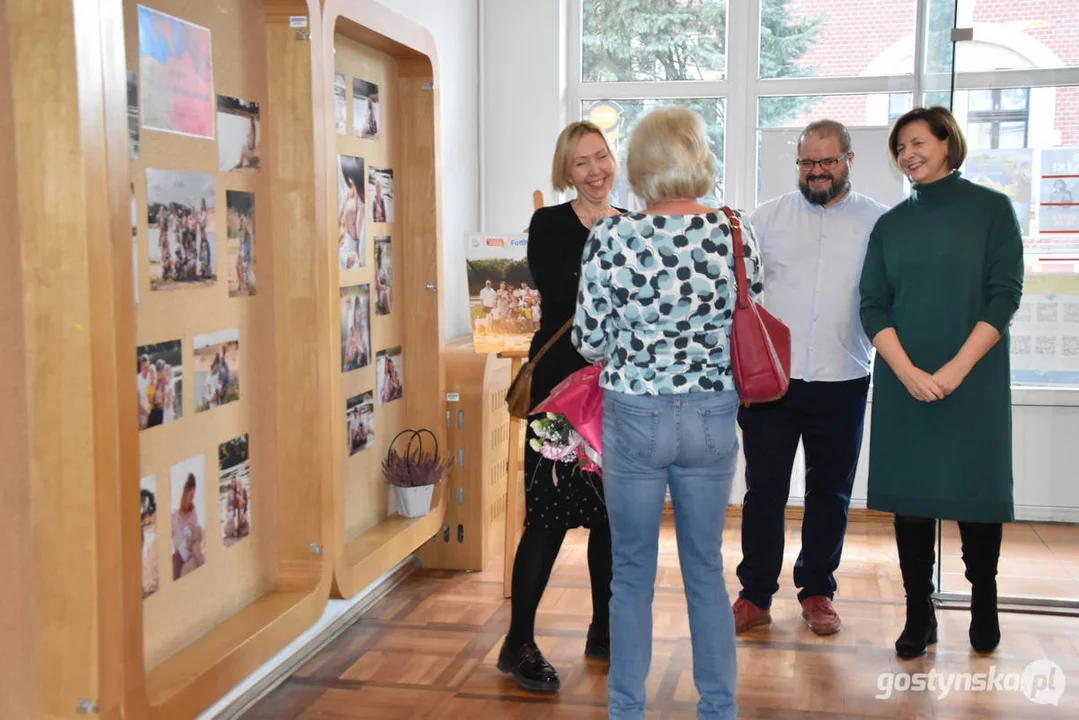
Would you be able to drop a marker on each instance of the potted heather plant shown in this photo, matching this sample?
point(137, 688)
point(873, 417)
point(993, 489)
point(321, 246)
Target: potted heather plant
point(414, 474)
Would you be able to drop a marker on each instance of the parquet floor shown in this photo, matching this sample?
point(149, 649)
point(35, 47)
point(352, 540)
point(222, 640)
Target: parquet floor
point(427, 650)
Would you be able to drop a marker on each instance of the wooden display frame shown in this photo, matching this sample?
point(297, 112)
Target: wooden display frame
point(361, 559)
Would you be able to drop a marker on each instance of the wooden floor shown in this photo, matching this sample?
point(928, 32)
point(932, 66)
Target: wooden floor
point(428, 649)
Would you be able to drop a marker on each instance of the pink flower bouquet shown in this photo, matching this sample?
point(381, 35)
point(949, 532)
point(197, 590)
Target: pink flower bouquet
point(572, 427)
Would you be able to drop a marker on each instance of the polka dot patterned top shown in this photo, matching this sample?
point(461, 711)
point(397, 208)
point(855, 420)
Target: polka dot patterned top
point(655, 301)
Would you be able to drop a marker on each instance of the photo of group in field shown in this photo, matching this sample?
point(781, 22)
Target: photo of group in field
point(180, 229)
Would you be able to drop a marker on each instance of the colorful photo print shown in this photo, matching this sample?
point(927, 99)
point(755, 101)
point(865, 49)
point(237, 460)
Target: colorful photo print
point(160, 379)
point(217, 369)
point(135, 242)
point(176, 75)
point(234, 490)
point(187, 487)
point(240, 231)
point(388, 371)
point(132, 116)
point(180, 229)
point(360, 422)
point(355, 327)
point(239, 135)
point(340, 104)
point(381, 194)
point(151, 576)
point(364, 108)
point(351, 221)
point(383, 276)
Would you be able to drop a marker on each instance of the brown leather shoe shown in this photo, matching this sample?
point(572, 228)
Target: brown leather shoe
point(748, 616)
point(529, 668)
point(820, 615)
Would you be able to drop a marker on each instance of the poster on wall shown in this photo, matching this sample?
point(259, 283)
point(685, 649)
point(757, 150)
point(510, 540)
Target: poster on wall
point(151, 575)
point(351, 221)
point(176, 75)
point(132, 116)
point(234, 490)
point(360, 422)
point(355, 327)
point(388, 371)
point(383, 275)
point(187, 487)
point(1044, 341)
point(340, 104)
point(1058, 220)
point(180, 229)
point(239, 135)
point(503, 306)
point(240, 236)
point(1007, 171)
point(160, 382)
point(217, 369)
point(381, 194)
point(365, 117)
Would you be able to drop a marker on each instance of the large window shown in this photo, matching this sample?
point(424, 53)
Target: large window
point(759, 70)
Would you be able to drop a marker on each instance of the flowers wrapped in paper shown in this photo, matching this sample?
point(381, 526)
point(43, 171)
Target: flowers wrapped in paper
point(571, 429)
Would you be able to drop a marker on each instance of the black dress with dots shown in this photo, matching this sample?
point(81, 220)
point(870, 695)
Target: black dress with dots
point(557, 495)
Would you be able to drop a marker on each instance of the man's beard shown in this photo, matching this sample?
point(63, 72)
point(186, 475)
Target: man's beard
point(840, 184)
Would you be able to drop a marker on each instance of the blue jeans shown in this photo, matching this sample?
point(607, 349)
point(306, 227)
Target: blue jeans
point(687, 441)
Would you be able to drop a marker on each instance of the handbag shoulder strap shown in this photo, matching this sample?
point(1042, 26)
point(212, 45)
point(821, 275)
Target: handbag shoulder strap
point(739, 257)
point(547, 346)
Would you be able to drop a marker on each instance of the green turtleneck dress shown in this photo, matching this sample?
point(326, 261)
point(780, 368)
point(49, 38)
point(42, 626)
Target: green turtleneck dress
point(939, 262)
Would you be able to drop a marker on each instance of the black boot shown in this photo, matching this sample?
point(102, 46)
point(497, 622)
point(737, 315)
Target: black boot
point(598, 643)
point(914, 540)
point(981, 551)
point(528, 667)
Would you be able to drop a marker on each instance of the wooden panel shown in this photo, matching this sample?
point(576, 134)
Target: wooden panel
point(370, 43)
point(18, 663)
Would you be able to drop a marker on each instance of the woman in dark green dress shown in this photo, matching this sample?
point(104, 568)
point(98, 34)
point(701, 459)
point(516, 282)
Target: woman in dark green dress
point(943, 276)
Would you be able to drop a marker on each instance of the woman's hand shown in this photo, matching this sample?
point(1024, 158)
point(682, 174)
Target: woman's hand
point(951, 375)
point(921, 385)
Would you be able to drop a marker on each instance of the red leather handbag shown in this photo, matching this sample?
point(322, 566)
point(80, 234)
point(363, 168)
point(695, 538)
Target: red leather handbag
point(760, 343)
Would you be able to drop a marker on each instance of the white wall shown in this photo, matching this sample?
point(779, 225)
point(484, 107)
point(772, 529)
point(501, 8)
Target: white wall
point(523, 107)
point(454, 24)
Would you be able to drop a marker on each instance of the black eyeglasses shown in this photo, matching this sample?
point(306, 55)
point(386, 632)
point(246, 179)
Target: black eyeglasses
point(826, 163)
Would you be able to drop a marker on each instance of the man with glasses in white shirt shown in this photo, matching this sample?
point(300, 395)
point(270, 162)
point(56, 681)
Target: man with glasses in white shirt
point(813, 242)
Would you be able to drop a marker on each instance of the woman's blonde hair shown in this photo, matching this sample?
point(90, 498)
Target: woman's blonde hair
point(669, 158)
point(566, 145)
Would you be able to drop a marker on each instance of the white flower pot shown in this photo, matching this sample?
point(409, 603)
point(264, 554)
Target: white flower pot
point(413, 502)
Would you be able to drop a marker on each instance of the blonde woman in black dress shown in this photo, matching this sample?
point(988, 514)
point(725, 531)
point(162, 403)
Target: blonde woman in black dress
point(557, 496)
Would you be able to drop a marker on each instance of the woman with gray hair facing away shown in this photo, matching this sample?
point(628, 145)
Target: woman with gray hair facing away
point(655, 303)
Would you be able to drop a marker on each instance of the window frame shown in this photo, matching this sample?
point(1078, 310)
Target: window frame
point(742, 89)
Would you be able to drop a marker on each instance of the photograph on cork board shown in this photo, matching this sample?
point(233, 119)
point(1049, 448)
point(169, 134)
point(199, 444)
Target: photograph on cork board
point(388, 371)
point(176, 75)
point(340, 104)
point(240, 232)
point(351, 221)
point(360, 422)
point(234, 490)
point(355, 327)
point(239, 135)
point(383, 275)
point(160, 381)
point(381, 194)
point(187, 487)
point(182, 244)
point(151, 575)
point(217, 369)
point(365, 109)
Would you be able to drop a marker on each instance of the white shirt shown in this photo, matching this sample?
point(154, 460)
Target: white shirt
point(813, 259)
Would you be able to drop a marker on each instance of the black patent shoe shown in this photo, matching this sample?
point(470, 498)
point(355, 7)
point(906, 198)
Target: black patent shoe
point(598, 644)
point(529, 668)
point(919, 632)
